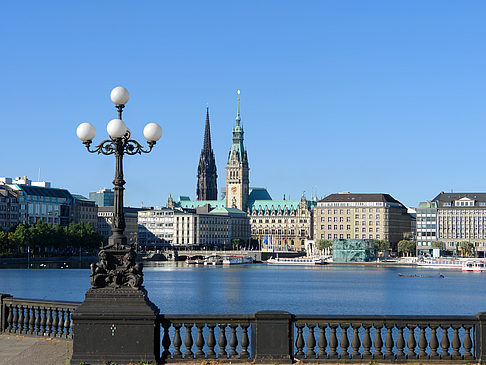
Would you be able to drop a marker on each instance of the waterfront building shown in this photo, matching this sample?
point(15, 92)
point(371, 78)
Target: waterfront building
point(103, 197)
point(9, 207)
point(105, 219)
point(352, 250)
point(210, 228)
point(156, 227)
point(364, 216)
point(283, 224)
point(452, 218)
point(85, 211)
point(207, 185)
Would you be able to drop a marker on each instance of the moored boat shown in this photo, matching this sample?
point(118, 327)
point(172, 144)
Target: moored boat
point(296, 261)
point(441, 263)
point(474, 265)
point(237, 260)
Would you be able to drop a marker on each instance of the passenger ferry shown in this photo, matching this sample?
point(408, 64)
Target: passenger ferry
point(442, 263)
point(237, 260)
point(296, 261)
point(474, 265)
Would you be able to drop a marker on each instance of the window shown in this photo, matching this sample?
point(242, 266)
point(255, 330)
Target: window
point(341, 219)
point(356, 229)
point(370, 216)
point(329, 227)
point(356, 223)
point(335, 219)
point(329, 219)
point(341, 227)
point(335, 235)
point(341, 236)
point(348, 227)
point(335, 226)
point(371, 223)
point(329, 236)
point(348, 236)
point(348, 219)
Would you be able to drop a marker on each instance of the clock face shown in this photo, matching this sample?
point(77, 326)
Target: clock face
point(234, 189)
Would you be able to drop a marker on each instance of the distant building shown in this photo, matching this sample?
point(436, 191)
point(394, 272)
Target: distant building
point(9, 207)
point(210, 228)
point(363, 216)
point(156, 227)
point(105, 219)
point(452, 218)
point(103, 197)
point(207, 185)
point(85, 211)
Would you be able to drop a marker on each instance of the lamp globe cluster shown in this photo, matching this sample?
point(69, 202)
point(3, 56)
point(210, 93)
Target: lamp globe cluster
point(116, 128)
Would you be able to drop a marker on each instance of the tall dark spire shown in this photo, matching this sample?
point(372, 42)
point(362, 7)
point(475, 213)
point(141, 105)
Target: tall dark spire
point(207, 186)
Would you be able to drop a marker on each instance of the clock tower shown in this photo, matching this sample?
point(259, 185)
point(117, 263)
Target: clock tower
point(237, 170)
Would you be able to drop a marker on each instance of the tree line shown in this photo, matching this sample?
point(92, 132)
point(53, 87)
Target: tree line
point(42, 239)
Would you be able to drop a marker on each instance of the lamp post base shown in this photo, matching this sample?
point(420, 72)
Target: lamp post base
point(115, 325)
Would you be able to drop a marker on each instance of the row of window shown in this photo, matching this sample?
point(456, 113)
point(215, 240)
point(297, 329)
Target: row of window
point(348, 236)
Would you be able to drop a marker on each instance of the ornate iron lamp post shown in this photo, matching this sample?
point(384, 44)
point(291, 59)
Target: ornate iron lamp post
point(116, 321)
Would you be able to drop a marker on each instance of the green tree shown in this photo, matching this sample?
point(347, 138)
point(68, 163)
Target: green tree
point(381, 245)
point(467, 248)
point(324, 245)
point(21, 238)
point(438, 244)
point(407, 247)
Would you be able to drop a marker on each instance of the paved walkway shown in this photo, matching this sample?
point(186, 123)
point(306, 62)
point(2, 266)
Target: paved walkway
point(20, 350)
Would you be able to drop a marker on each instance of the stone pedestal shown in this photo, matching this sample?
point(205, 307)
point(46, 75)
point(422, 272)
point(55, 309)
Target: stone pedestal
point(115, 325)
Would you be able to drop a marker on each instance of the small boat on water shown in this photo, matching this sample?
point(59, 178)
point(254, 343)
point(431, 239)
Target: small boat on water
point(296, 261)
point(237, 260)
point(213, 260)
point(195, 260)
point(441, 263)
point(440, 276)
point(474, 265)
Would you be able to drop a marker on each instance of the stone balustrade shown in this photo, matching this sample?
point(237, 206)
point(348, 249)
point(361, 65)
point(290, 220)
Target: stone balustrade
point(275, 336)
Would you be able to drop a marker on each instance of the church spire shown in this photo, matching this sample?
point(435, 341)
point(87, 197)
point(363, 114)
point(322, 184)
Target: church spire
point(207, 187)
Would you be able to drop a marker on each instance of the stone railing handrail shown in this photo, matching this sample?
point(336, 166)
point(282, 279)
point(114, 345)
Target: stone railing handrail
point(33, 317)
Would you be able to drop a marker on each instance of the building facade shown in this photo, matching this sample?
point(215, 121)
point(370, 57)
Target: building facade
point(85, 211)
point(207, 177)
point(103, 197)
point(156, 228)
point(363, 216)
point(105, 219)
point(9, 208)
point(209, 228)
point(452, 218)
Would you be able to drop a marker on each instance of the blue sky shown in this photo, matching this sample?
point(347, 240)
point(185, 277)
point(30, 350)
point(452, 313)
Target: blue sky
point(360, 96)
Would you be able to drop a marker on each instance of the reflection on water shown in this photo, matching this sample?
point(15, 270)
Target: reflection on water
point(178, 288)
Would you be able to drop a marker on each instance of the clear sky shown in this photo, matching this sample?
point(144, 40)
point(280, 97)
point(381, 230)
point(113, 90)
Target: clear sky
point(359, 96)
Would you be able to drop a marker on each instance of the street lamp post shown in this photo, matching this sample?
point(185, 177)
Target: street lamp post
point(116, 321)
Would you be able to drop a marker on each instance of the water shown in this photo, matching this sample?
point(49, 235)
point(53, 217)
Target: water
point(331, 289)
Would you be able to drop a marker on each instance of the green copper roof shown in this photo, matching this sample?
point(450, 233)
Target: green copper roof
point(219, 210)
point(428, 205)
point(259, 194)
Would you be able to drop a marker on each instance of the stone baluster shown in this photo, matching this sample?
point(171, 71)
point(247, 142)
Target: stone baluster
point(444, 343)
point(188, 342)
point(20, 325)
point(233, 342)
point(61, 323)
point(55, 322)
point(333, 342)
point(48, 312)
point(378, 342)
point(177, 341)
point(15, 318)
point(211, 341)
point(389, 341)
point(311, 342)
point(27, 320)
point(468, 344)
point(456, 343)
point(32, 322)
point(165, 342)
point(200, 341)
point(299, 343)
point(400, 343)
point(344, 341)
point(43, 313)
point(245, 342)
point(367, 342)
point(355, 342)
point(37, 320)
point(222, 354)
point(67, 324)
point(422, 342)
point(10, 318)
point(433, 343)
point(411, 343)
point(322, 342)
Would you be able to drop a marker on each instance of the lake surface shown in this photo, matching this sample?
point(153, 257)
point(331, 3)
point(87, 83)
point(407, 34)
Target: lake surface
point(330, 289)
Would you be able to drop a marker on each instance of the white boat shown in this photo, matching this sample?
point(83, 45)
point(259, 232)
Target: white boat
point(296, 261)
point(237, 260)
point(442, 263)
point(213, 260)
point(474, 265)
